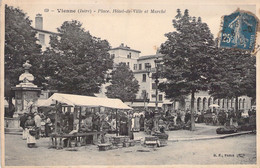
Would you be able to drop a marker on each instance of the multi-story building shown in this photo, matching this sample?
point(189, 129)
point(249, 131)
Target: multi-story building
point(42, 35)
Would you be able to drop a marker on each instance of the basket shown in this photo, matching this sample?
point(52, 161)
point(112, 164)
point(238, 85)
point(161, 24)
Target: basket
point(132, 143)
point(126, 144)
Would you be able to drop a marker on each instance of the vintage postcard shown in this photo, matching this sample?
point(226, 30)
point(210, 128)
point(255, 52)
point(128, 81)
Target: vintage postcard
point(119, 83)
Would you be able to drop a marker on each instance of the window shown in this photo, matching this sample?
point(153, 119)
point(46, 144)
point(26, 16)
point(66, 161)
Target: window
point(144, 94)
point(153, 86)
point(129, 55)
point(112, 56)
point(42, 38)
point(144, 77)
point(128, 64)
point(153, 96)
point(135, 66)
point(140, 66)
point(147, 65)
point(160, 97)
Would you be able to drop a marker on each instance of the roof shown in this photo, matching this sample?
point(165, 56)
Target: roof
point(150, 57)
point(125, 48)
point(45, 31)
point(89, 101)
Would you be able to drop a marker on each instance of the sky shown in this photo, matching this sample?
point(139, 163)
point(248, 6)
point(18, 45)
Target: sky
point(140, 31)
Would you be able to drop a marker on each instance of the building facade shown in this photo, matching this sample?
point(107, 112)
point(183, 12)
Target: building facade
point(43, 36)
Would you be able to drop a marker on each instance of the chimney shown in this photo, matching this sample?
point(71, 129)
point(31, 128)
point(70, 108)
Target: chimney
point(38, 22)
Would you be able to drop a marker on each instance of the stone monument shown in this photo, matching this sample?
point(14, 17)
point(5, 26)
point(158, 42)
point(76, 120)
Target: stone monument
point(26, 93)
point(26, 97)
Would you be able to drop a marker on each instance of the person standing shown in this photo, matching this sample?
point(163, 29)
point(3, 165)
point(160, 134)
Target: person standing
point(96, 121)
point(141, 121)
point(23, 119)
point(38, 121)
point(47, 126)
point(30, 128)
point(70, 121)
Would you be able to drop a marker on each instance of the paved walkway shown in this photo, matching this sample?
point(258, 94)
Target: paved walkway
point(202, 131)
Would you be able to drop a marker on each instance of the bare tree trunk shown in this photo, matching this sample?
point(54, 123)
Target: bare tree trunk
point(192, 111)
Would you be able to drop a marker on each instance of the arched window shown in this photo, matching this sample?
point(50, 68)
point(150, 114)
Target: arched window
point(204, 103)
point(198, 104)
point(244, 103)
point(209, 101)
point(240, 104)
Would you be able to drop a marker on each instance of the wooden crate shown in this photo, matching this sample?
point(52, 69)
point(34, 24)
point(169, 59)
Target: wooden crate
point(104, 147)
point(162, 142)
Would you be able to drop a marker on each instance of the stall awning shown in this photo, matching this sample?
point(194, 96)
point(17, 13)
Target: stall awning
point(167, 102)
point(88, 101)
point(153, 105)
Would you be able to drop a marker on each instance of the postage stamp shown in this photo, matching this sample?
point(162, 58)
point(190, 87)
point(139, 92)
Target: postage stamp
point(239, 30)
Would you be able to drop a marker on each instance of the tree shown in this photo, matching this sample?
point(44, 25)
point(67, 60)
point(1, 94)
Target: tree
point(20, 45)
point(76, 62)
point(187, 58)
point(233, 75)
point(123, 84)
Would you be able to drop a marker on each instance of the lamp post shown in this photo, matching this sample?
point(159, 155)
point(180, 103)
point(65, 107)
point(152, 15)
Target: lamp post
point(156, 77)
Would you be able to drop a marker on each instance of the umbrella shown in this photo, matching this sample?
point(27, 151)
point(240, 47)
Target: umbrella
point(214, 105)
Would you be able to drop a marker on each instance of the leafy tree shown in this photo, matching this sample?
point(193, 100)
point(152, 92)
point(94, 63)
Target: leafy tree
point(20, 45)
point(187, 58)
point(76, 62)
point(233, 75)
point(123, 84)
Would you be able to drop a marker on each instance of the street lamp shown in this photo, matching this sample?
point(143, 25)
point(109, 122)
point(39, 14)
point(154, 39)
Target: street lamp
point(156, 77)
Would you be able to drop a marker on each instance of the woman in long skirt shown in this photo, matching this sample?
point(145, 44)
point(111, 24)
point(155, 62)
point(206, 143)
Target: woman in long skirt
point(31, 132)
point(137, 123)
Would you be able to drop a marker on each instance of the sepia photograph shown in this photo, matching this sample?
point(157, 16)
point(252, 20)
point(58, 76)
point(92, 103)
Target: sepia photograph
point(129, 83)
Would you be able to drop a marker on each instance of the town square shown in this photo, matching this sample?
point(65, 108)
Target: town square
point(117, 84)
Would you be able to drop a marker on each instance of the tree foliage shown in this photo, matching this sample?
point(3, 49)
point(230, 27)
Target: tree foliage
point(123, 84)
point(234, 74)
point(187, 57)
point(20, 45)
point(76, 62)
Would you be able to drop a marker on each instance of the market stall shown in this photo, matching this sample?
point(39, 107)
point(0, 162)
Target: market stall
point(76, 103)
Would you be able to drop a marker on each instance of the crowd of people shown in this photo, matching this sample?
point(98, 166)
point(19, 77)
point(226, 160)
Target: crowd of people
point(36, 125)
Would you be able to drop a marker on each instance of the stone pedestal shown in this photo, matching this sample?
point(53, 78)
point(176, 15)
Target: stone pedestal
point(26, 98)
point(12, 125)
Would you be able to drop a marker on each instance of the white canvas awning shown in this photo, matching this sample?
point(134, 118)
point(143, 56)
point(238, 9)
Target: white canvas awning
point(167, 102)
point(88, 101)
point(153, 105)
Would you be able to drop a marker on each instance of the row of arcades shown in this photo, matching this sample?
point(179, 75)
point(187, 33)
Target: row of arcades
point(203, 103)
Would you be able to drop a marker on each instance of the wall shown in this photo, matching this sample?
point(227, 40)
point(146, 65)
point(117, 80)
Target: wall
point(44, 39)
point(120, 55)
